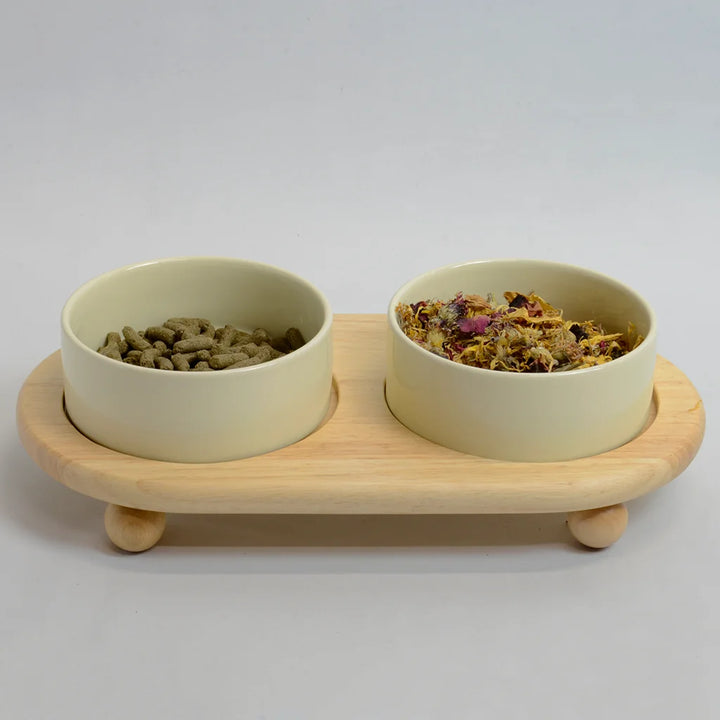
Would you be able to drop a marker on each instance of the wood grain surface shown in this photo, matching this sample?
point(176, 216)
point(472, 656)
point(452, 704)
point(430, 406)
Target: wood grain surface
point(362, 460)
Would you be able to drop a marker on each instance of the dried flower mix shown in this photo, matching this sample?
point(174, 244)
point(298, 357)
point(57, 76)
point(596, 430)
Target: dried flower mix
point(524, 334)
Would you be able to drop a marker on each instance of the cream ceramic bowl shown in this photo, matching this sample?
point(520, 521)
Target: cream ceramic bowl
point(519, 416)
point(205, 416)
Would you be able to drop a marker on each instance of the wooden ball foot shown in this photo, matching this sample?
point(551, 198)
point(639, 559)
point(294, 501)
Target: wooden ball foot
point(600, 527)
point(133, 530)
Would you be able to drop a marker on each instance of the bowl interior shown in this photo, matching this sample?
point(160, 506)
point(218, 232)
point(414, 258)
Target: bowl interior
point(581, 294)
point(245, 294)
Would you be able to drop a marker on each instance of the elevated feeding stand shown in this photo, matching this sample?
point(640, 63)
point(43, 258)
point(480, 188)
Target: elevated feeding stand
point(361, 460)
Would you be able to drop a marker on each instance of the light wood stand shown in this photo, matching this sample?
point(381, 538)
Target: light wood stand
point(361, 460)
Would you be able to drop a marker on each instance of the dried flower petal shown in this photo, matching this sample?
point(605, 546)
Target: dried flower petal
point(475, 325)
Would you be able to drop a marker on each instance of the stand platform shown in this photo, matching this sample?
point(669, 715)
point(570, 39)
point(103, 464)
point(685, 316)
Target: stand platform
point(361, 460)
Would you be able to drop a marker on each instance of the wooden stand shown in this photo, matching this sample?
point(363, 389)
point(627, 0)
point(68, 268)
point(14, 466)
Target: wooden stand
point(361, 460)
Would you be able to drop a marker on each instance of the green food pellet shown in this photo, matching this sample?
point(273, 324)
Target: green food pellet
point(245, 363)
point(161, 334)
point(251, 349)
point(224, 336)
point(134, 340)
point(281, 345)
point(201, 367)
point(294, 338)
point(147, 359)
point(163, 363)
point(260, 336)
point(111, 351)
point(199, 342)
point(274, 354)
point(219, 362)
point(180, 362)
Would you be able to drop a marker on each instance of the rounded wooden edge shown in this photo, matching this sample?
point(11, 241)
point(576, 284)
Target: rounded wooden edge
point(133, 530)
point(598, 528)
point(655, 457)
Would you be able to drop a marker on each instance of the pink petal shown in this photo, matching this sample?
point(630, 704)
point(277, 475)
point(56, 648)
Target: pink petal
point(474, 326)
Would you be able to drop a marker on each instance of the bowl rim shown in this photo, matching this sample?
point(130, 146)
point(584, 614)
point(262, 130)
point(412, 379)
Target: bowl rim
point(77, 294)
point(499, 375)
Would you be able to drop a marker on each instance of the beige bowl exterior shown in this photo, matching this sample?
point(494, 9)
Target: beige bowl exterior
point(516, 416)
point(196, 417)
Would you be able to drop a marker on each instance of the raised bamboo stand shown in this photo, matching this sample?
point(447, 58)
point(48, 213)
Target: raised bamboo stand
point(361, 460)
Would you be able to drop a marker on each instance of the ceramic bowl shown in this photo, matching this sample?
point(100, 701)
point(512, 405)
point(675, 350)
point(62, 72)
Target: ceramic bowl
point(203, 416)
point(520, 416)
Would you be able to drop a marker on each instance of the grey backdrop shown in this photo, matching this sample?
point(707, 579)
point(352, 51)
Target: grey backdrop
point(359, 144)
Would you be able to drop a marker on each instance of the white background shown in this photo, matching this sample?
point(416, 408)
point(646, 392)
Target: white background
point(359, 144)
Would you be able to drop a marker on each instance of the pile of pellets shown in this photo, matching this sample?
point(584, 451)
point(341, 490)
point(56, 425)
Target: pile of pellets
point(195, 345)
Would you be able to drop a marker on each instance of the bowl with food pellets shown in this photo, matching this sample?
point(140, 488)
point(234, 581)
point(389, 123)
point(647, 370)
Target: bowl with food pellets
point(521, 360)
point(197, 359)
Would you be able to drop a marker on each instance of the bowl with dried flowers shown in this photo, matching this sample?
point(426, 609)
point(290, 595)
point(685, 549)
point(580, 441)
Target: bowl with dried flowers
point(521, 360)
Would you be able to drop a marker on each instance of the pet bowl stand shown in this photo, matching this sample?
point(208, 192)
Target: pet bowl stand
point(361, 460)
